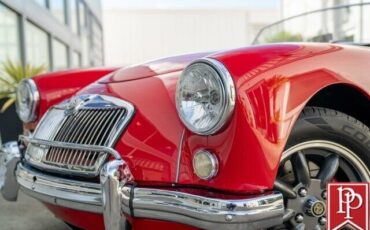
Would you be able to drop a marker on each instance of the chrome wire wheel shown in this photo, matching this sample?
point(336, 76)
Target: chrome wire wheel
point(304, 172)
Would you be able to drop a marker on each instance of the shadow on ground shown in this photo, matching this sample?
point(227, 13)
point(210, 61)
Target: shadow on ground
point(27, 214)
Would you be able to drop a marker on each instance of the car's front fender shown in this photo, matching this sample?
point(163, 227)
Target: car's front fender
point(273, 85)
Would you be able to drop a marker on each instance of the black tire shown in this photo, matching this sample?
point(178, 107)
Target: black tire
point(324, 145)
point(317, 123)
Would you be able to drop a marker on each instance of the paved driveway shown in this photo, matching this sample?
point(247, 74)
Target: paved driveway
point(27, 214)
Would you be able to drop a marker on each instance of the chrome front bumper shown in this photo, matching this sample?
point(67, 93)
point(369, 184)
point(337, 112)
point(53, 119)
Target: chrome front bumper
point(9, 159)
point(116, 200)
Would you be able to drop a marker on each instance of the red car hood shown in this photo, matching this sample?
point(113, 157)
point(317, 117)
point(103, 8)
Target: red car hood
point(153, 68)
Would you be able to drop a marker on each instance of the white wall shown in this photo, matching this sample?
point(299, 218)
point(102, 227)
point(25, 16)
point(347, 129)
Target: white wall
point(133, 36)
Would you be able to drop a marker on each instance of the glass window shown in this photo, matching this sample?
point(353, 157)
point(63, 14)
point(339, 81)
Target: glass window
point(9, 35)
point(60, 55)
point(82, 14)
point(58, 9)
point(97, 38)
point(76, 60)
point(85, 51)
point(74, 13)
point(37, 45)
point(42, 3)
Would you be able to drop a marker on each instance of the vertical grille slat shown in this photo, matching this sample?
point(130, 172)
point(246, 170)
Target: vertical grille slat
point(92, 116)
point(80, 128)
point(104, 139)
point(86, 158)
point(64, 132)
point(91, 126)
point(113, 128)
point(104, 128)
point(103, 118)
point(93, 159)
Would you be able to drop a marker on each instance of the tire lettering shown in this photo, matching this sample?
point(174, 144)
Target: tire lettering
point(361, 137)
point(348, 129)
point(357, 135)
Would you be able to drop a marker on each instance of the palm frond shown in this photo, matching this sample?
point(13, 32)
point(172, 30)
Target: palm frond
point(11, 74)
point(6, 83)
point(6, 94)
point(14, 71)
point(7, 104)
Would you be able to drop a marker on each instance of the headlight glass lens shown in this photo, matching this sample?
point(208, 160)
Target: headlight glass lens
point(205, 165)
point(27, 99)
point(204, 98)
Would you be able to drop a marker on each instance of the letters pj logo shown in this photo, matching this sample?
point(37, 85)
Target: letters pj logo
point(348, 206)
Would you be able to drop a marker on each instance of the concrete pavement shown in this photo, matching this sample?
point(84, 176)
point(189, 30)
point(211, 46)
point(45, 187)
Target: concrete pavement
point(27, 214)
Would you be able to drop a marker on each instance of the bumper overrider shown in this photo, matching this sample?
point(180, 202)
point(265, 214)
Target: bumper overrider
point(117, 199)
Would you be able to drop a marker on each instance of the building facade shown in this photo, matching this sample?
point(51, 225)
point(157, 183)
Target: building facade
point(146, 34)
point(59, 34)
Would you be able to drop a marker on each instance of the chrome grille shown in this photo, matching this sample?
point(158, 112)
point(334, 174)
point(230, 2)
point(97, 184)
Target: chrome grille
point(97, 123)
point(87, 126)
point(49, 126)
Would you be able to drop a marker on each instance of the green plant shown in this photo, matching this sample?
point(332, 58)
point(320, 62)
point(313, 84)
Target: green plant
point(284, 36)
point(11, 74)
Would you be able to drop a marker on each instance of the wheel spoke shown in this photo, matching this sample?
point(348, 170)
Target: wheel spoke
point(288, 214)
point(328, 169)
point(301, 170)
point(286, 189)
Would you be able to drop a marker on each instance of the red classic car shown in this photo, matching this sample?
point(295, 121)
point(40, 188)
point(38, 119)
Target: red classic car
point(238, 139)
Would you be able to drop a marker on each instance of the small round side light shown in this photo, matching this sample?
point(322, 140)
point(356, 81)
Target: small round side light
point(205, 164)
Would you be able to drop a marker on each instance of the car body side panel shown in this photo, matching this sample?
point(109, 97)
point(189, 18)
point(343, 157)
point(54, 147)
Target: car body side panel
point(153, 68)
point(142, 224)
point(273, 85)
point(84, 220)
point(94, 221)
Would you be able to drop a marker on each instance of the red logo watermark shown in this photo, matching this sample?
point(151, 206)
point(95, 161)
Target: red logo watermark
point(348, 206)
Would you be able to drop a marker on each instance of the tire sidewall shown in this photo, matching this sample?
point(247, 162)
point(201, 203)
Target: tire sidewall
point(330, 125)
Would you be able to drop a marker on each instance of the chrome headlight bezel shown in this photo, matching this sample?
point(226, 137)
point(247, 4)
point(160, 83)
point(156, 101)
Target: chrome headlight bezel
point(227, 96)
point(34, 99)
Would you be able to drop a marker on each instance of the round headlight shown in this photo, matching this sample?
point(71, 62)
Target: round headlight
point(27, 100)
point(205, 164)
point(205, 96)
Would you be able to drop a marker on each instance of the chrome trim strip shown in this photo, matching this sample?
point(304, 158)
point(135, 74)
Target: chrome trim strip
point(113, 198)
point(9, 158)
point(35, 100)
point(203, 212)
point(78, 195)
point(97, 148)
point(179, 154)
